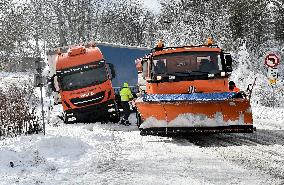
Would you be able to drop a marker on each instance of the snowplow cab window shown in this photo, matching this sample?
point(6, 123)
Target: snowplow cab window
point(159, 66)
point(187, 62)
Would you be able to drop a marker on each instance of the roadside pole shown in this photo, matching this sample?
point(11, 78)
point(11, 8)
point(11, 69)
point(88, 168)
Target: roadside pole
point(39, 82)
point(42, 111)
point(271, 62)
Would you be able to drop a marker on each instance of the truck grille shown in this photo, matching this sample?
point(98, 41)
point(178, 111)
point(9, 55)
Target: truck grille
point(88, 100)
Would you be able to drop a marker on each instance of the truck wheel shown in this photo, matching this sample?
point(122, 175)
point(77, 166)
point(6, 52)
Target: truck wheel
point(67, 120)
point(114, 119)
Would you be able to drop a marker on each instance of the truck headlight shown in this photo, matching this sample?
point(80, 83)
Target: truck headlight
point(210, 75)
point(111, 110)
point(159, 77)
point(172, 77)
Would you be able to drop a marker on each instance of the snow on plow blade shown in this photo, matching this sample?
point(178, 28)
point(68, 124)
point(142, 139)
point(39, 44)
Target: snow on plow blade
point(198, 112)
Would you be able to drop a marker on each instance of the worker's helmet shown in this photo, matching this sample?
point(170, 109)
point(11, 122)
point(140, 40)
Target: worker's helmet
point(125, 84)
point(231, 83)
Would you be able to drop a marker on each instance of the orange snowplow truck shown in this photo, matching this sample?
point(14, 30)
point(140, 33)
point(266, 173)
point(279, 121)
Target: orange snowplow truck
point(84, 80)
point(187, 91)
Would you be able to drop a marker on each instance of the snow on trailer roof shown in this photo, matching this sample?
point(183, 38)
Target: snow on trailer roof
point(64, 49)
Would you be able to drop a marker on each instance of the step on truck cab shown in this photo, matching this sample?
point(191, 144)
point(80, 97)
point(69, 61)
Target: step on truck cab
point(85, 87)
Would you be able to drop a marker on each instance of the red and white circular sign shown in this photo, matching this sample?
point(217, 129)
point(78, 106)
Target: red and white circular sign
point(272, 60)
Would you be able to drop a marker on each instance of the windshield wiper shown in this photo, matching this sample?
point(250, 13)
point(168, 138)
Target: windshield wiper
point(190, 73)
point(202, 72)
point(178, 74)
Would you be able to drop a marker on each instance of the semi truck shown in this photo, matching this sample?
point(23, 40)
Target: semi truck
point(84, 84)
point(85, 79)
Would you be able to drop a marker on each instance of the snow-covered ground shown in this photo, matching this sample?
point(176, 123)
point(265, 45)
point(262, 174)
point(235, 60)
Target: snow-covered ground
point(115, 154)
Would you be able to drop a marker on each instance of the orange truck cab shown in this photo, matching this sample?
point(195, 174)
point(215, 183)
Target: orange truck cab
point(85, 87)
point(174, 70)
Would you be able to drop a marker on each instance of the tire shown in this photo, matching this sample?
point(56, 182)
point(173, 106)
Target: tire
point(114, 119)
point(65, 119)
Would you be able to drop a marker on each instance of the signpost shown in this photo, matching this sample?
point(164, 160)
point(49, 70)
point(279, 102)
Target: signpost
point(272, 61)
point(39, 82)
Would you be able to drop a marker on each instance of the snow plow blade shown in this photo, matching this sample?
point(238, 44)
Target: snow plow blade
point(187, 130)
point(194, 113)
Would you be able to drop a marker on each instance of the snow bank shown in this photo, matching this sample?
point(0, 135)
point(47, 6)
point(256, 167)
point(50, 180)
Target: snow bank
point(192, 120)
point(41, 150)
point(61, 147)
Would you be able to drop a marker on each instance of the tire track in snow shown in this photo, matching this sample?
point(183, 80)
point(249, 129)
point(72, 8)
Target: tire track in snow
point(262, 150)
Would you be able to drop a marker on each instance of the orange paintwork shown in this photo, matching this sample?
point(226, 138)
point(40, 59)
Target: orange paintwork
point(204, 86)
point(235, 89)
point(236, 109)
point(65, 61)
point(76, 58)
point(85, 92)
point(186, 49)
point(230, 109)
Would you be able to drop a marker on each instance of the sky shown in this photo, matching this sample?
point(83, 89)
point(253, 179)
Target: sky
point(153, 5)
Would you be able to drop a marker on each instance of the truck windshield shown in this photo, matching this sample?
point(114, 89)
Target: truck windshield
point(197, 63)
point(83, 76)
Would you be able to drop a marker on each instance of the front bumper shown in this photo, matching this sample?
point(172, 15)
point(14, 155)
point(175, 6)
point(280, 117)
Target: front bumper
point(94, 113)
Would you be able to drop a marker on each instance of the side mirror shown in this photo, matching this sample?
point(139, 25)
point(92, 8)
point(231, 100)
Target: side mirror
point(51, 84)
point(229, 62)
point(145, 69)
point(111, 70)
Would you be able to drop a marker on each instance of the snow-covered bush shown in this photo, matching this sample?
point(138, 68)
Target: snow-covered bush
point(18, 109)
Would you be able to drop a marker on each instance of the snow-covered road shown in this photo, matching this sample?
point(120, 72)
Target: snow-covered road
point(114, 154)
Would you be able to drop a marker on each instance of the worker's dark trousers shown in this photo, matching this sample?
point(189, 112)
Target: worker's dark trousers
point(126, 109)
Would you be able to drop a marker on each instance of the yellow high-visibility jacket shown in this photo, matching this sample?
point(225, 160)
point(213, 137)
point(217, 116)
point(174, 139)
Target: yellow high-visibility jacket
point(125, 93)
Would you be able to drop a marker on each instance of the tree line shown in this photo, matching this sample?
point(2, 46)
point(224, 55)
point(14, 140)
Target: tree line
point(29, 27)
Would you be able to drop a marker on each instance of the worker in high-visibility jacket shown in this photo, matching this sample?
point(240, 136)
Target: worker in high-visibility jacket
point(125, 96)
point(233, 87)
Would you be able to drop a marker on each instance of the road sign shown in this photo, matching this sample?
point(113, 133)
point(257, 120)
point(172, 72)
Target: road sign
point(272, 75)
point(272, 60)
point(272, 82)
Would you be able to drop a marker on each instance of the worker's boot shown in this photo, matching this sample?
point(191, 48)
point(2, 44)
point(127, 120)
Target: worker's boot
point(122, 122)
point(127, 123)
